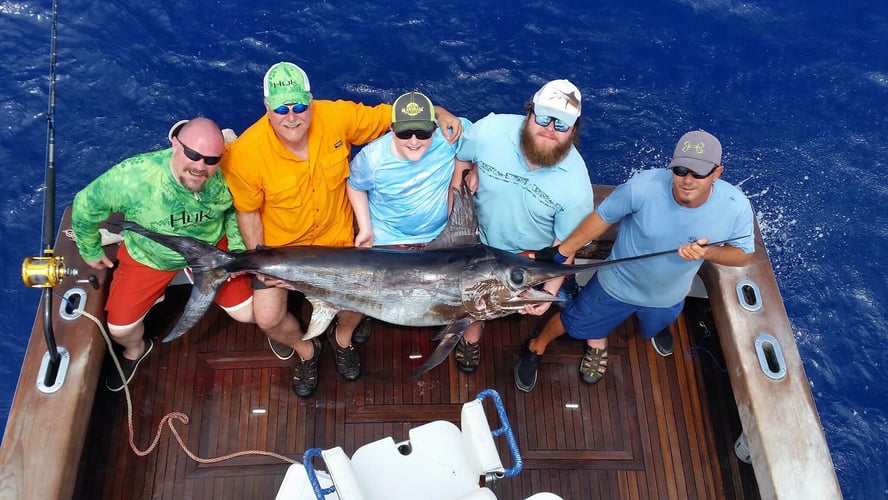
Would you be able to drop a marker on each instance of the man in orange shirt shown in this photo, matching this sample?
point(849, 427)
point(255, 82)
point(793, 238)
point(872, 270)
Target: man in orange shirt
point(287, 173)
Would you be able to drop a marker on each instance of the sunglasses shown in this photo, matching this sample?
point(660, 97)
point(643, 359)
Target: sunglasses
point(419, 133)
point(683, 172)
point(195, 156)
point(544, 121)
point(296, 108)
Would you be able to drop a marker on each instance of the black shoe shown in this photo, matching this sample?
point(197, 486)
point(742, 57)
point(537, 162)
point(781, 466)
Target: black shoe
point(526, 368)
point(363, 331)
point(468, 355)
point(348, 362)
point(283, 352)
point(113, 381)
point(663, 343)
point(305, 373)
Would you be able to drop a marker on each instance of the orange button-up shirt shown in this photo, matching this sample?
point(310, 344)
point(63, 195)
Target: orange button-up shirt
point(303, 202)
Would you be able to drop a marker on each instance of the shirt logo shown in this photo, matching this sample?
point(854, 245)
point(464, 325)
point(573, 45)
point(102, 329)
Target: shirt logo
point(184, 219)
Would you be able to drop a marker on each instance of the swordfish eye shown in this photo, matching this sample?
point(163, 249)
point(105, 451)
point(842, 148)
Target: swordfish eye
point(517, 276)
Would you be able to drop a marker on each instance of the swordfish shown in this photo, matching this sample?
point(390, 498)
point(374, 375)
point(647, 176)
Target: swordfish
point(453, 281)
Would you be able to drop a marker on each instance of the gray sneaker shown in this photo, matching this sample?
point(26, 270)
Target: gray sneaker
point(282, 351)
point(663, 342)
point(113, 381)
point(526, 368)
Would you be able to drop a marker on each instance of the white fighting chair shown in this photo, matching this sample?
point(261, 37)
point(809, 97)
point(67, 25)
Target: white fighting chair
point(438, 462)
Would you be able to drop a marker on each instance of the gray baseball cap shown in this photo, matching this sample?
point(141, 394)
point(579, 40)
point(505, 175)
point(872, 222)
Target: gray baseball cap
point(698, 151)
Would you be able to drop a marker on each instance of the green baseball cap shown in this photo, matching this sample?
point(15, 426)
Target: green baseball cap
point(286, 83)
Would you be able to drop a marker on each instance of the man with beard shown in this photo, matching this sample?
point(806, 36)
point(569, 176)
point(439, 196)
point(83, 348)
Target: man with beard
point(532, 184)
point(177, 191)
point(287, 173)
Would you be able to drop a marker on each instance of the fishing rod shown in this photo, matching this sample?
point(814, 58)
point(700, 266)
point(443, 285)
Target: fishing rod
point(48, 270)
point(664, 252)
point(637, 257)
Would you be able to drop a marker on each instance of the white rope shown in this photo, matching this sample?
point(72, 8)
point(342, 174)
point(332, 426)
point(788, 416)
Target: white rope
point(168, 418)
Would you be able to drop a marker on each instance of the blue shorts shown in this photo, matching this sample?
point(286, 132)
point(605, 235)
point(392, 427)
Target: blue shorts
point(593, 314)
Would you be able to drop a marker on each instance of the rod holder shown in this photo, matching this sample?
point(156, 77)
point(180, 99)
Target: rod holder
point(770, 356)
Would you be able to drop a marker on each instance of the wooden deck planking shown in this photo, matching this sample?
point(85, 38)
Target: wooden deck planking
point(640, 433)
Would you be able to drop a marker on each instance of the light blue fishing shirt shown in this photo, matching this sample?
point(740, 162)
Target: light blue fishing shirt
point(518, 208)
point(407, 199)
point(652, 221)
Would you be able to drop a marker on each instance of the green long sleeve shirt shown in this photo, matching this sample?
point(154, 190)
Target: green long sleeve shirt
point(143, 189)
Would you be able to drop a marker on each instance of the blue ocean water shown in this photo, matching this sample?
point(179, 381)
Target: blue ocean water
point(796, 91)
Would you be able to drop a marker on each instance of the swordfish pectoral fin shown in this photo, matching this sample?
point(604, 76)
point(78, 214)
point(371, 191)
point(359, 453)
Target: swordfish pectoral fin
point(322, 313)
point(450, 335)
point(206, 285)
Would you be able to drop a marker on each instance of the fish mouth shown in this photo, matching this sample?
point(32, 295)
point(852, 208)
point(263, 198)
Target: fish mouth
point(530, 297)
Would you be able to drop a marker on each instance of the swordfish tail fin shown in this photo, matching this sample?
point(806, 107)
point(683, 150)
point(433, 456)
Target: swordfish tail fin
point(206, 262)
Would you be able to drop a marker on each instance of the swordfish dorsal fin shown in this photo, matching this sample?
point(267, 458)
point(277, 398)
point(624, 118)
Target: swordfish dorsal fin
point(462, 225)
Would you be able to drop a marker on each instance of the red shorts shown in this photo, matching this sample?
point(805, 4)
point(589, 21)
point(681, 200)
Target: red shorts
point(137, 287)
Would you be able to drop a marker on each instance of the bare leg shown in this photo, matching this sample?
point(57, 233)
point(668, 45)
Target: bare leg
point(273, 318)
point(551, 331)
point(346, 322)
point(130, 338)
point(473, 332)
point(242, 312)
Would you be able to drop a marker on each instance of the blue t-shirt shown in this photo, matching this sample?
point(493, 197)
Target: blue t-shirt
point(518, 208)
point(652, 221)
point(407, 199)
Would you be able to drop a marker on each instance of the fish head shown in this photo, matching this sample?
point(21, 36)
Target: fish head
point(503, 283)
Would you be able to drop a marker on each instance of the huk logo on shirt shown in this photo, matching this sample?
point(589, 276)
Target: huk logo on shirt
point(185, 219)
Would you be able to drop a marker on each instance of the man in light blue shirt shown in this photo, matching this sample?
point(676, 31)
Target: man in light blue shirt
point(684, 207)
point(533, 187)
point(399, 184)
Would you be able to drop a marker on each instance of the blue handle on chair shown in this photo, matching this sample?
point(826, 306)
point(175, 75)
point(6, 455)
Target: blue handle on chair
point(320, 493)
point(506, 429)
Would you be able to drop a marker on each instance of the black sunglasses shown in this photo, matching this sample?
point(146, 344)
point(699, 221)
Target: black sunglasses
point(195, 156)
point(419, 133)
point(683, 172)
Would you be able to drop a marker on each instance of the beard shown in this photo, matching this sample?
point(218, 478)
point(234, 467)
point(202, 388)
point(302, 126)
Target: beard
point(543, 156)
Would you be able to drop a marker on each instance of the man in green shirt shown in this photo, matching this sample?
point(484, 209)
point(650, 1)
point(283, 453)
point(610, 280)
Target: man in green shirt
point(177, 191)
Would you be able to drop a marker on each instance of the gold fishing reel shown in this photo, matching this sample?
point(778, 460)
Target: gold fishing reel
point(45, 272)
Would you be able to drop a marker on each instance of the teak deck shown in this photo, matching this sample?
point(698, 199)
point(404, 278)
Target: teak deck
point(652, 428)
